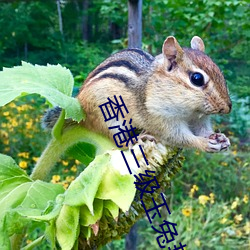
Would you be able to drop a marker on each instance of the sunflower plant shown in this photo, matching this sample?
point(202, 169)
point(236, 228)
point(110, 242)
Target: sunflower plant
point(95, 207)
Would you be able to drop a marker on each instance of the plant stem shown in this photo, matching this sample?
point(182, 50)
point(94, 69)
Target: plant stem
point(57, 147)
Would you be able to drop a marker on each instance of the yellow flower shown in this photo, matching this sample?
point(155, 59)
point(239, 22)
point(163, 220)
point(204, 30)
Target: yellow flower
point(35, 159)
point(247, 228)
point(65, 163)
point(12, 105)
point(197, 242)
point(6, 141)
point(245, 199)
point(223, 235)
point(6, 113)
point(238, 233)
point(211, 195)
point(77, 162)
point(238, 218)
point(234, 152)
point(55, 178)
point(4, 134)
point(235, 203)
point(70, 178)
point(29, 124)
point(203, 199)
point(14, 123)
point(192, 190)
point(187, 211)
point(73, 168)
point(224, 164)
point(23, 164)
point(223, 220)
point(65, 185)
point(24, 155)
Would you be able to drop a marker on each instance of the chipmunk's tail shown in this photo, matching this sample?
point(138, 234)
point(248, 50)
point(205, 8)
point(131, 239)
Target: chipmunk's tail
point(50, 117)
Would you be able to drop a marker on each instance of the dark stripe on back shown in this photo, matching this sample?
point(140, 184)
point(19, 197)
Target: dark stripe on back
point(118, 63)
point(142, 53)
point(118, 77)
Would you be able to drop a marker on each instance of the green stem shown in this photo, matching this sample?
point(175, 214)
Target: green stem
point(57, 147)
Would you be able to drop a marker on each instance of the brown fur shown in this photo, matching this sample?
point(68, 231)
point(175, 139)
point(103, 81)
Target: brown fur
point(159, 95)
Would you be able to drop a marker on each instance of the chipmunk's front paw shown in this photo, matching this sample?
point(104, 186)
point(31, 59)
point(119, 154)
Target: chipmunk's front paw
point(144, 136)
point(218, 142)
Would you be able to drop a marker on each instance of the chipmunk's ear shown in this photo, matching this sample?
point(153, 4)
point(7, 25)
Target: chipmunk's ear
point(197, 43)
point(171, 49)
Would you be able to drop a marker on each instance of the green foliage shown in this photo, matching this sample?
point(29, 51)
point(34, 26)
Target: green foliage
point(30, 32)
point(205, 223)
point(52, 82)
point(19, 198)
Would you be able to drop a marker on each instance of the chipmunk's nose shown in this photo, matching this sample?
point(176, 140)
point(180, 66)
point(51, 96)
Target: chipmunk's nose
point(226, 109)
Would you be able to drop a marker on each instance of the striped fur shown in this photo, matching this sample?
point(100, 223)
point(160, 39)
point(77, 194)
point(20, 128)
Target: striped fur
point(159, 94)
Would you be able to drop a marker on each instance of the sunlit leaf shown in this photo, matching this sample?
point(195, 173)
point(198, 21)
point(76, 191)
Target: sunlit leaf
point(53, 82)
point(67, 225)
point(83, 189)
point(83, 152)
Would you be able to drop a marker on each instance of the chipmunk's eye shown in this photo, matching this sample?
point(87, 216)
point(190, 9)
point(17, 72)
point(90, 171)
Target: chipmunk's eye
point(197, 79)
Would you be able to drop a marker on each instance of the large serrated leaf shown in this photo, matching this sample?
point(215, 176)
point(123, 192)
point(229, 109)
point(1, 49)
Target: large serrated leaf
point(9, 168)
point(67, 226)
point(14, 198)
point(53, 82)
point(21, 197)
point(39, 194)
point(9, 184)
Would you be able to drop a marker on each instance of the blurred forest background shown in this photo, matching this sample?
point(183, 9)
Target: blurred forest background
point(209, 199)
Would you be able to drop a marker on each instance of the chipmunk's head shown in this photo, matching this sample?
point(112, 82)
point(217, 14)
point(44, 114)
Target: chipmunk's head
point(195, 75)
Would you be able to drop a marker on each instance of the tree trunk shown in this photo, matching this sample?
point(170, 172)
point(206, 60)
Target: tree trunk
point(131, 238)
point(135, 23)
point(59, 16)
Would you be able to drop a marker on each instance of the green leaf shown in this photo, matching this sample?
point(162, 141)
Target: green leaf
point(39, 194)
point(67, 226)
point(20, 197)
point(50, 234)
point(4, 240)
point(11, 183)
point(86, 218)
point(53, 82)
point(14, 198)
point(9, 168)
point(83, 189)
point(46, 217)
point(86, 232)
point(111, 207)
point(83, 152)
point(118, 188)
point(58, 127)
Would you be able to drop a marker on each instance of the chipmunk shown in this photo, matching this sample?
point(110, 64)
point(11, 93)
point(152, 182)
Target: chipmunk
point(170, 96)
